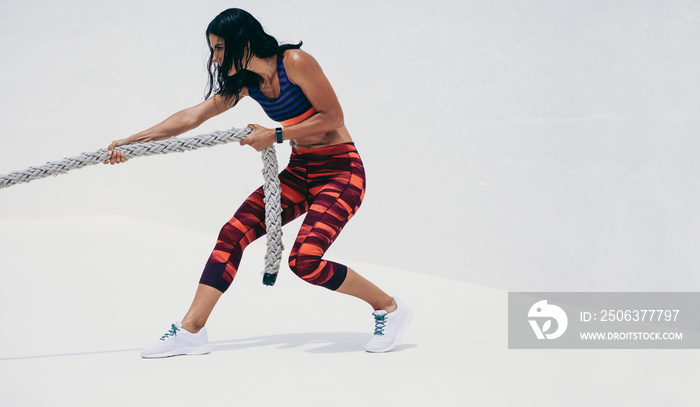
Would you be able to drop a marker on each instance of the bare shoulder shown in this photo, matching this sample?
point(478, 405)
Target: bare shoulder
point(297, 56)
point(299, 63)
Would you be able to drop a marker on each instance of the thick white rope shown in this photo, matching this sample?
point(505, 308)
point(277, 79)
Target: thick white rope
point(273, 192)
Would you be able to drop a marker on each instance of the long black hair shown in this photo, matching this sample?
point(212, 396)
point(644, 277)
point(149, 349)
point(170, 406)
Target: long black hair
point(238, 28)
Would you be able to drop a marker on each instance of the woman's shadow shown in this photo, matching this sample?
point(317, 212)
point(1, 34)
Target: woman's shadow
point(319, 342)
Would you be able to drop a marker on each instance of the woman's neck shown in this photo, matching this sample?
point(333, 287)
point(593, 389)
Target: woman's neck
point(265, 67)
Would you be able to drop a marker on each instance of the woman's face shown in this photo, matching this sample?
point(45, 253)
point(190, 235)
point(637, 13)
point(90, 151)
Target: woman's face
point(217, 45)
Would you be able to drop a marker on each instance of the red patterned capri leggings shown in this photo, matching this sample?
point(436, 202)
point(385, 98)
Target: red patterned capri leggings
point(327, 184)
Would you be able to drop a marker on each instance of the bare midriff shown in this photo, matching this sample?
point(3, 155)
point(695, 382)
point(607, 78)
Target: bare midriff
point(337, 136)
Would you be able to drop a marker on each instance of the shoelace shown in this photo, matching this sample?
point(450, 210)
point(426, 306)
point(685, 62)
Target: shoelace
point(172, 332)
point(379, 324)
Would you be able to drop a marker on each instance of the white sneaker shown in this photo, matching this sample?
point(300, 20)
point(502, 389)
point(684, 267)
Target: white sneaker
point(389, 328)
point(178, 341)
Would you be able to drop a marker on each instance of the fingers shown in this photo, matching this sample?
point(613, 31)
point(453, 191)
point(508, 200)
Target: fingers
point(110, 151)
point(115, 156)
point(257, 138)
point(253, 142)
point(247, 141)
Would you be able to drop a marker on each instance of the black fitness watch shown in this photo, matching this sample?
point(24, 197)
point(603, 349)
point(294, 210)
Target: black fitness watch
point(278, 131)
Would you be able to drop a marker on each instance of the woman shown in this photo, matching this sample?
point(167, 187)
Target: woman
point(324, 179)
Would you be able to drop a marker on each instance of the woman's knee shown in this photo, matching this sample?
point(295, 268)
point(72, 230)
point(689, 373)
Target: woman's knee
point(316, 271)
point(305, 266)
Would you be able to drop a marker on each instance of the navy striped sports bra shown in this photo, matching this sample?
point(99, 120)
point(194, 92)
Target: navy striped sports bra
point(291, 106)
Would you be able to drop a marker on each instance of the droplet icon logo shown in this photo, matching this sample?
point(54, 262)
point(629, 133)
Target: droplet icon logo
point(547, 312)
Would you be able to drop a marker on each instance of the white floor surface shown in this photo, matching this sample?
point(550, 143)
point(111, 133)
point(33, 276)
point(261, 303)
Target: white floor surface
point(79, 298)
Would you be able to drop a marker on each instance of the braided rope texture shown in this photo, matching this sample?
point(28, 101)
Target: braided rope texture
point(272, 189)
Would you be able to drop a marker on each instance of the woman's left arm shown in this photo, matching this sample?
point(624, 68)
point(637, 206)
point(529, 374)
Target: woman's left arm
point(303, 70)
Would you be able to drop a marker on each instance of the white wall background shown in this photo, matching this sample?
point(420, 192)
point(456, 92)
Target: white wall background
point(526, 145)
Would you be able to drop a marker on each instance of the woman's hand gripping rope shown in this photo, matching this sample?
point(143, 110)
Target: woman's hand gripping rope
point(116, 156)
point(259, 138)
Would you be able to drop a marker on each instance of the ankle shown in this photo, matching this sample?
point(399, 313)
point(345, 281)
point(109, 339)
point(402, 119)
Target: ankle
point(388, 305)
point(191, 326)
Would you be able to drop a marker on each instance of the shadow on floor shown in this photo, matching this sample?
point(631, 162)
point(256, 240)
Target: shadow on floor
point(56, 355)
point(318, 342)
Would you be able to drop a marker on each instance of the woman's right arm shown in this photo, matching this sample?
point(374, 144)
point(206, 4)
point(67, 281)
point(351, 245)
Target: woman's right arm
point(174, 125)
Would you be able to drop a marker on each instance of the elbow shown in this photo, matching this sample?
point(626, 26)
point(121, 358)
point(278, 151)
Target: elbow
point(340, 122)
point(335, 119)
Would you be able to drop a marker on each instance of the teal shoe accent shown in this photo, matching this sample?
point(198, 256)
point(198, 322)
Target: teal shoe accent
point(379, 323)
point(172, 332)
